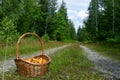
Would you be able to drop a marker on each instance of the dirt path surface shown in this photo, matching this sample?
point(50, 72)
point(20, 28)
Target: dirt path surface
point(105, 65)
point(9, 64)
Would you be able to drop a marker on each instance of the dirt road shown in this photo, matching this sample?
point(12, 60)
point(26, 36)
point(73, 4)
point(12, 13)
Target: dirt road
point(9, 64)
point(107, 66)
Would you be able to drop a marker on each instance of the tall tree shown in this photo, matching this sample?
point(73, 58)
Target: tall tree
point(40, 16)
point(62, 23)
point(51, 18)
point(91, 23)
point(43, 8)
point(10, 7)
point(71, 31)
point(79, 37)
point(107, 20)
point(27, 16)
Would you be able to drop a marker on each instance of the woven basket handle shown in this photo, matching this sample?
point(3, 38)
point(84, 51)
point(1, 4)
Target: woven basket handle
point(18, 42)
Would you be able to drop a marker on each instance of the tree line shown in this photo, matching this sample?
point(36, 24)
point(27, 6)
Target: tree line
point(103, 23)
point(44, 17)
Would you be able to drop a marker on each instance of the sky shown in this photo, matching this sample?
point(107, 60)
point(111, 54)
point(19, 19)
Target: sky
point(77, 11)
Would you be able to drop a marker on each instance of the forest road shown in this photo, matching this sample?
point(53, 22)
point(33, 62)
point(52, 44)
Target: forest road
point(108, 67)
point(10, 64)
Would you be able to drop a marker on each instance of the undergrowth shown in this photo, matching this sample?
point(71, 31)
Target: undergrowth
point(110, 50)
point(27, 46)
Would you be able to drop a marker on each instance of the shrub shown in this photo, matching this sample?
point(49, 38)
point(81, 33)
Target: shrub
point(45, 38)
point(8, 30)
point(115, 39)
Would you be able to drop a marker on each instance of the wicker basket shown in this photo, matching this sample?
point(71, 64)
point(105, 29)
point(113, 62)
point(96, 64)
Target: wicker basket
point(31, 69)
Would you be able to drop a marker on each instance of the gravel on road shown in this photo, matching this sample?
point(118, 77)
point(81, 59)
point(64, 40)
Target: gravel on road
point(105, 65)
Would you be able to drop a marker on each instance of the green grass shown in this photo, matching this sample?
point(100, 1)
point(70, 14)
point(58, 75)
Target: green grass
point(67, 64)
point(27, 46)
point(110, 50)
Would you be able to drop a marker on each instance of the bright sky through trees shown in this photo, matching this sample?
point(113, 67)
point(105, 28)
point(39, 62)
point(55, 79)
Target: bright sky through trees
point(77, 10)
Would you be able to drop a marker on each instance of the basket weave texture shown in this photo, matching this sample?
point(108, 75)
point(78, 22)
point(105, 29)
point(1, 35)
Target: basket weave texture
point(29, 69)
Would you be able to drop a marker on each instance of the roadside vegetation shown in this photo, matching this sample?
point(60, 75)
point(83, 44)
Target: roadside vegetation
point(67, 64)
point(27, 46)
point(107, 49)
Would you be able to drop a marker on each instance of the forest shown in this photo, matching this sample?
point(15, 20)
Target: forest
point(103, 23)
point(44, 17)
point(90, 53)
point(50, 20)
